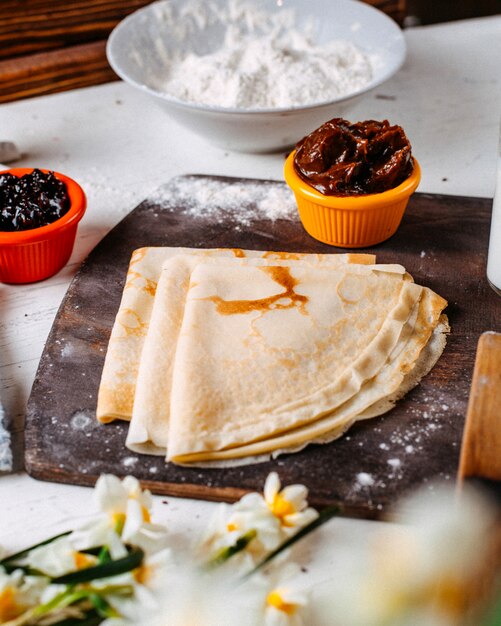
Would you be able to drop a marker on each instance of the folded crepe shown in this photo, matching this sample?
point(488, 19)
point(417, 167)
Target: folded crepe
point(118, 380)
point(150, 423)
point(365, 403)
point(233, 356)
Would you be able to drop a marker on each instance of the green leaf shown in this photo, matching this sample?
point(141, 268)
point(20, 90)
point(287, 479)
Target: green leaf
point(226, 553)
point(323, 517)
point(29, 571)
point(103, 570)
point(6, 562)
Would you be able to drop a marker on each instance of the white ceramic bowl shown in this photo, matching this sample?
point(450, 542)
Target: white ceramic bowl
point(140, 47)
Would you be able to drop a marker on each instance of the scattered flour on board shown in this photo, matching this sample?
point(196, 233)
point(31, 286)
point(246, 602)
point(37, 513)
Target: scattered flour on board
point(364, 479)
point(129, 461)
point(408, 442)
point(260, 60)
point(81, 421)
point(238, 202)
point(67, 350)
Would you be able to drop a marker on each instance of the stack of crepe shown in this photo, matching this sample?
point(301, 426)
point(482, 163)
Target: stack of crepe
point(228, 356)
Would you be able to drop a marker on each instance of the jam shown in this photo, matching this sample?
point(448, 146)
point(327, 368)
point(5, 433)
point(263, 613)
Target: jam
point(344, 159)
point(33, 200)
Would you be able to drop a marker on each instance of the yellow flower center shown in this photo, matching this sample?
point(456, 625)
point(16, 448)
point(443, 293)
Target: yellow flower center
point(143, 574)
point(83, 560)
point(146, 515)
point(9, 609)
point(281, 507)
point(275, 600)
point(231, 527)
point(118, 518)
point(118, 521)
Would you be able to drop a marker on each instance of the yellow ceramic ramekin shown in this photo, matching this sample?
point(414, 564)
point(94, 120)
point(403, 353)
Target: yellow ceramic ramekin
point(350, 221)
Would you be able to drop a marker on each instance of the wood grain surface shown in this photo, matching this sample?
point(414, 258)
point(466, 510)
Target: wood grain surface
point(50, 46)
point(55, 71)
point(30, 26)
point(481, 449)
point(442, 241)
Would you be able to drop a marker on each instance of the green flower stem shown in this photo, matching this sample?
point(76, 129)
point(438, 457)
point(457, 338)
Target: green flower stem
point(323, 517)
point(104, 554)
point(71, 597)
point(133, 559)
point(102, 606)
point(226, 553)
point(63, 599)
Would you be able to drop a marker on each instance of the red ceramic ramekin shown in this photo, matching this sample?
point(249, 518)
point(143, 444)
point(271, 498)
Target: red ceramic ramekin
point(31, 255)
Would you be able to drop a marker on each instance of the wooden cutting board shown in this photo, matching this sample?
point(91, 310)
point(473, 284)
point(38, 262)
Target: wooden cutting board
point(442, 242)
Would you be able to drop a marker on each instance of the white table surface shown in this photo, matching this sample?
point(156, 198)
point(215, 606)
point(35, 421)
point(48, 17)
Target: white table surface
point(120, 147)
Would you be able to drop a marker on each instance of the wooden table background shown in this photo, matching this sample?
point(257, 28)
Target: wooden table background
point(48, 46)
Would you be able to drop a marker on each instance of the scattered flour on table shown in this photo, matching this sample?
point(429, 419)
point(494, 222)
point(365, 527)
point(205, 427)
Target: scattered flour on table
point(238, 202)
point(264, 61)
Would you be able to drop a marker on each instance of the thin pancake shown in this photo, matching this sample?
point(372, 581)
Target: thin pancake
point(118, 379)
point(410, 360)
point(151, 411)
point(425, 362)
point(303, 342)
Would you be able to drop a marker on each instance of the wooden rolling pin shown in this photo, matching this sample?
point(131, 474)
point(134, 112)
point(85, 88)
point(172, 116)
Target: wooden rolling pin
point(480, 458)
point(480, 464)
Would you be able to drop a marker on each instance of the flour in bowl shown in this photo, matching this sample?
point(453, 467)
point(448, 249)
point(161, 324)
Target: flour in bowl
point(266, 63)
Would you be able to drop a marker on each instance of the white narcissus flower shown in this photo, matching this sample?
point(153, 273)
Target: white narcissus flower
point(196, 598)
point(274, 517)
point(288, 505)
point(59, 557)
point(18, 593)
point(144, 584)
point(155, 570)
point(125, 519)
point(287, 599)
point(418, 573)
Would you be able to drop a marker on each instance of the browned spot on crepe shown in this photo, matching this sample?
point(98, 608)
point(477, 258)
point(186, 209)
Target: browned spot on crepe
point(280, 275)
point(137, 256)
point(137, 327)
point(135, 279)
point(238, 252)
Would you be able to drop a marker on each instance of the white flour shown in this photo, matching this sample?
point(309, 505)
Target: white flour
point(265, 63)
point(240, 202)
